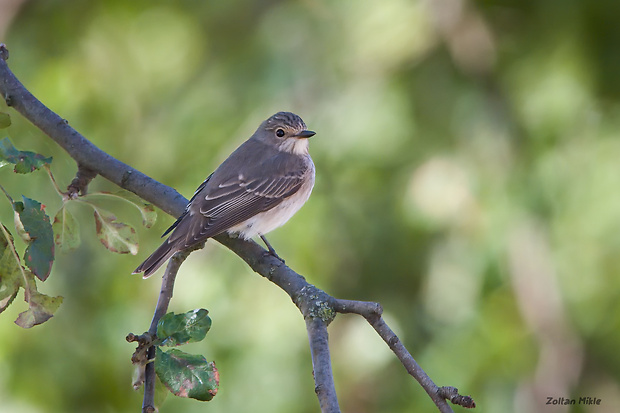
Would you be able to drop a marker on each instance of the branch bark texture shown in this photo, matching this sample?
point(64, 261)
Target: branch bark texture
point(317, 307)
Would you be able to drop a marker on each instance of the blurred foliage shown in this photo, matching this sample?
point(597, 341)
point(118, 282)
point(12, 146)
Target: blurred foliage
point(467, 176)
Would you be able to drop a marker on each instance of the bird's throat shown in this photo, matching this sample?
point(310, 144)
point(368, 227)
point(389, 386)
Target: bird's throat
point(297, 146)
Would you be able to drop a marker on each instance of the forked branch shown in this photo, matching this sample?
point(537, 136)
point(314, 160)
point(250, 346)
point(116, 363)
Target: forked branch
point(317, 307)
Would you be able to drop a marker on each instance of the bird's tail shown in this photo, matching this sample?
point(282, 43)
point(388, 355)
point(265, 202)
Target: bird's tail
point(156, 259)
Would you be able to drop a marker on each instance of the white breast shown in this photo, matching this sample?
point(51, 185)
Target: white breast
point(264, 222)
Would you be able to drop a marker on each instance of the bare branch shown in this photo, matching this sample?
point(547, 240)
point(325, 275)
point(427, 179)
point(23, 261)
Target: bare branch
point(82, 150)
point(322, 367)
point(165, 295)
point(372, 313)
point(452, 394)
point(318, 307)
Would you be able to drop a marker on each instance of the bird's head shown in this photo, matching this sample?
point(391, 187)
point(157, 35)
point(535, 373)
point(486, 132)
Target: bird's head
point(286, 131)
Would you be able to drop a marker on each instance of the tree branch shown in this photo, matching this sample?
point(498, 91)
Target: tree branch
point(372, 313)
point(322, 368)
point(81, 149)
point(165, 295)
point(317, 307)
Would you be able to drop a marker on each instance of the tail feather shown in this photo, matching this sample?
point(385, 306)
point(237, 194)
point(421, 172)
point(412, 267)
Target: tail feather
point(156, 259)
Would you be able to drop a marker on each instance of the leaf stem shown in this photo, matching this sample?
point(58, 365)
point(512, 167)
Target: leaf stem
point(113, 196)
point(62, 194)
point(165, 295)
point(90, 204)
point(7, 195)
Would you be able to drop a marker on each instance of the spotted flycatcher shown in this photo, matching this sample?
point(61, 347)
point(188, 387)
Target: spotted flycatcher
point(259, 187)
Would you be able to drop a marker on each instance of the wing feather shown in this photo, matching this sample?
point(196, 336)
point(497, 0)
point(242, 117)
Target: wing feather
point(218, 206)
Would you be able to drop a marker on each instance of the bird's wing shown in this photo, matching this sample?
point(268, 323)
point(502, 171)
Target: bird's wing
point(196, 192)
point(223, 203)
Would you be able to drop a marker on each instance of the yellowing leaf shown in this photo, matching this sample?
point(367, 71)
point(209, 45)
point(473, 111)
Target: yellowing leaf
point(10, 274)
point(149, 216)
point(66, 230)
point(115, 236)
point(42, 308)
point(13, 276)
point(187, 375)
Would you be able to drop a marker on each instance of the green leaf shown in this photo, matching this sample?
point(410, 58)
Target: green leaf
point(9, 263)
point(24, 161)
point(115, 236)
point(187, 375)
point(149, 216)
point(8, 299)
point(42, 308)
point(176, 329)
point(10, 274)
point(34, 226)
point(5, 120)
point(13, 276)
point(18, 208)
point(66, 230)
point(161, 392)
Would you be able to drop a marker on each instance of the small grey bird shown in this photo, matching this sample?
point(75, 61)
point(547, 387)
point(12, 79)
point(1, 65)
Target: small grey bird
point(259, 187)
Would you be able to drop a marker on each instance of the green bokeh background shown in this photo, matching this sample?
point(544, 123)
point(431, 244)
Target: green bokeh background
point(468, 175)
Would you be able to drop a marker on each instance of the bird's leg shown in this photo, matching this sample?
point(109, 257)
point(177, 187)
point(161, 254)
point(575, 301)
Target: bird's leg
point(270, 248)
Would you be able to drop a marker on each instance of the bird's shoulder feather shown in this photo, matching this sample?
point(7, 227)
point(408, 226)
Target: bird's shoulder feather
point(240, 189)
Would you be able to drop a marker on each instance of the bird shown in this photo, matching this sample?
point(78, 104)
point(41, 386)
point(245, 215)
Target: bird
point(257, 189)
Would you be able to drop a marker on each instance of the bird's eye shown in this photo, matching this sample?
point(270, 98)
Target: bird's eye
point(280, 133)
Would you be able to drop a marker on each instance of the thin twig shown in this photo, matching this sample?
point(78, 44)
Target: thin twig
point(54, 183)
point(165, 295)
point(452, 394)
point(83, 151)
point(79, 185)
point(372, 312)
point(7, 195)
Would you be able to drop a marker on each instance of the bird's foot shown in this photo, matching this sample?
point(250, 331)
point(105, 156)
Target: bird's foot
point(270, 250)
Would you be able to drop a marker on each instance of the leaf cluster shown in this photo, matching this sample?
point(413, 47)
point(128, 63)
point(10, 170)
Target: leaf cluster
point(182, 374)
point(42, 237)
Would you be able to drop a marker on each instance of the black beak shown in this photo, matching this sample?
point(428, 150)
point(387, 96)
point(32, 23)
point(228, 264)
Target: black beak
point(305, 134)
